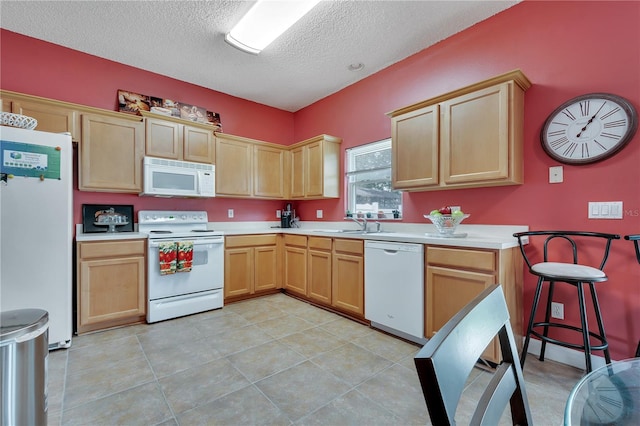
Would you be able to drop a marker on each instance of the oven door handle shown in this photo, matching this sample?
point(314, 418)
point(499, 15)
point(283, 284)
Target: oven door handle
point(196, 241)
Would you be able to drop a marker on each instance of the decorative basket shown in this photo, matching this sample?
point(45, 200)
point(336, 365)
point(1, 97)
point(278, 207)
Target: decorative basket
point(446, 224)
point(19, 120)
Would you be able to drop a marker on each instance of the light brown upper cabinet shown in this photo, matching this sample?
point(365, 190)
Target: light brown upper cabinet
point(168, 137)
point(53, 116)
point(471, 137)
point(315, 168)
point(111, 152)
point(249, 168)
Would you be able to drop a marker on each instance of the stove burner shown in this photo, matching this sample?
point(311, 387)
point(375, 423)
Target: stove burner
point(160, 232)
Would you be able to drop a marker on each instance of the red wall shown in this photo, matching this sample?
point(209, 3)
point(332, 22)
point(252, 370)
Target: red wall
point(553, 43)
point(566, 49)
point(39, 68)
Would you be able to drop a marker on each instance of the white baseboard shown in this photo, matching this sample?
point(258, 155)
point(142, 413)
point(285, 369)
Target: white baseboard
point(564, 355)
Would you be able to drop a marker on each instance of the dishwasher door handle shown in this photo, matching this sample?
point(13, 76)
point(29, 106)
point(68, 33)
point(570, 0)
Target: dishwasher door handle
point(391, 251)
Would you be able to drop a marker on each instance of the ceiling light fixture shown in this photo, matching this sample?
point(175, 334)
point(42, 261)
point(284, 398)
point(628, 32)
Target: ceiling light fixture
point(265, 22)
point(356, 66)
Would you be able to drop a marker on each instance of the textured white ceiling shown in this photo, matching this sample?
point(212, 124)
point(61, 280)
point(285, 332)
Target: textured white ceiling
point(185, 40)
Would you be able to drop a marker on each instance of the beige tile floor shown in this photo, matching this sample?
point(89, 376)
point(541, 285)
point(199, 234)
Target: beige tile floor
point(272, 360)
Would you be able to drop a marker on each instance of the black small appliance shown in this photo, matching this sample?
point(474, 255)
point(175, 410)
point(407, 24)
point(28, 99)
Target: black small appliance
point(286, 216)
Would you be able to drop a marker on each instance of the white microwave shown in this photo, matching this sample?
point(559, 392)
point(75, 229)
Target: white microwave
point(173, 178)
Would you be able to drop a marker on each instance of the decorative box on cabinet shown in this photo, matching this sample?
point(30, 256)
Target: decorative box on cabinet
point(454, 276)
point(111, 153)
point(251, 265)
point(111, 284)
point(471, 137)
point(169, 137)
point(315, 168)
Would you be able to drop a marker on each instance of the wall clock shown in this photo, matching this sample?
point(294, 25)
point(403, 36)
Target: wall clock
point(589, 128)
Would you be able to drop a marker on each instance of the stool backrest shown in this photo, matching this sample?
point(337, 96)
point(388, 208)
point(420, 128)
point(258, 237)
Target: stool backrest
point(447, 359)
point(569, 236)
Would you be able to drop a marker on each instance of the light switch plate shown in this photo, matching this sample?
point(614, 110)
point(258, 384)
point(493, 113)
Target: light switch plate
point(605, 210)
point(319, 214)
point(230, 213)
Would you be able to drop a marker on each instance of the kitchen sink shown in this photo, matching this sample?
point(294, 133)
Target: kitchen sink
point(352, 231)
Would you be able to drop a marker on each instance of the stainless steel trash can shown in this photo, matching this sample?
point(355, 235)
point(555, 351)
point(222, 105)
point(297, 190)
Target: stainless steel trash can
point(24, 347)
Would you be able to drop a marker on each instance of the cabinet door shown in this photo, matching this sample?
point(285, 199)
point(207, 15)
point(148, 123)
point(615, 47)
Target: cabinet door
point(198, 145)
point(448, 291)
point(348, 283)
point(51, 118)
point(314, 170)
point(268, 172)
point(475, 136)
point(163, 139)
point(111, 154)
point(319, 264)
point(266, 271)
point(297, 172)
point(238, 271)
point(295, 269)
point(111, 290)
point(233, 168)
point(414, 148)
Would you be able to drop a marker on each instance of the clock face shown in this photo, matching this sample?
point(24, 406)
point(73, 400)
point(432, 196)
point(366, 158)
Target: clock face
point(589, 128)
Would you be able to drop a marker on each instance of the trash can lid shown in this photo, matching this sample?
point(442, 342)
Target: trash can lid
point(19, 322)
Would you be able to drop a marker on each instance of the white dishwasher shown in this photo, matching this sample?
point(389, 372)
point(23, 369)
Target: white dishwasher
point(394, 288)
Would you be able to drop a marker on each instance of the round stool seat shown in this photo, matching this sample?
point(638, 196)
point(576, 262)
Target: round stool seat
point(568, 272)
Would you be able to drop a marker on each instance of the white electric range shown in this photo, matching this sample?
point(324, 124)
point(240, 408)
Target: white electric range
point(176, 293)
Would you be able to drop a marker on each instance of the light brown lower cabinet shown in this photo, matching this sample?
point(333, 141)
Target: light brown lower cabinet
point(455, 276)
point(251, 265)
point(319, 267)
point(111, 284)
point(347, 286)
point(295, 264)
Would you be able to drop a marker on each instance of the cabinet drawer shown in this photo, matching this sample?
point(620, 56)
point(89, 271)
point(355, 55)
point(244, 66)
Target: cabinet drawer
point(295, 240)
point(111, 248)
point(464, 259)
point(250, 240)
point(320, 243)
point(349, 246)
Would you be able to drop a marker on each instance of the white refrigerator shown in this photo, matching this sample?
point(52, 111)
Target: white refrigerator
point(36, 227)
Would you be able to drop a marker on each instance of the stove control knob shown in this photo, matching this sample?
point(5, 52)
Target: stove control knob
point(183, 217)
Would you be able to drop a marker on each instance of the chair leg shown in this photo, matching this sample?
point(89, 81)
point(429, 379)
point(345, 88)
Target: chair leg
point(547, 317)
point(534, 306)
point(585, 328)
point(596, 307)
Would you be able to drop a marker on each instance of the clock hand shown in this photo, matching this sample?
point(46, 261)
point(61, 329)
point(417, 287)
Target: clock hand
point(590, 120)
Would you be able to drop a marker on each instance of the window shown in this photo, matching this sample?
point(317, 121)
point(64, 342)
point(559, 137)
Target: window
point(369, 180)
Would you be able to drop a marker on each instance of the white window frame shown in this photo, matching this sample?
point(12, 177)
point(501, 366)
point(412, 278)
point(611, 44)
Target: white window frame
point(350, 173)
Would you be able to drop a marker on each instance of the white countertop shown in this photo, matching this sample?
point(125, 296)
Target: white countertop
point(478, 236)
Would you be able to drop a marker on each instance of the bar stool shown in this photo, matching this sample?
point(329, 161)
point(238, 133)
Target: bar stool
point(636, 239)
point(575, 274)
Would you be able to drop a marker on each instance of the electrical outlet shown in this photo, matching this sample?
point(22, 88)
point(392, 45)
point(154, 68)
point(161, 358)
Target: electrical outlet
point(557, 310)
point(230, 213)
point(278, 214)
point(319, 214)
point(555, 174)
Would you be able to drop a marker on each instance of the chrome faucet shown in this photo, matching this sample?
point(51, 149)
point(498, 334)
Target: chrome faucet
point(362, 223)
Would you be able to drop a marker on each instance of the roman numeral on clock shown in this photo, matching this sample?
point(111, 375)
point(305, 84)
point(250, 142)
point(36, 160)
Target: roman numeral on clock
point(568, 114)
point(610, 113)
point(558, 143)
point(617, 123)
